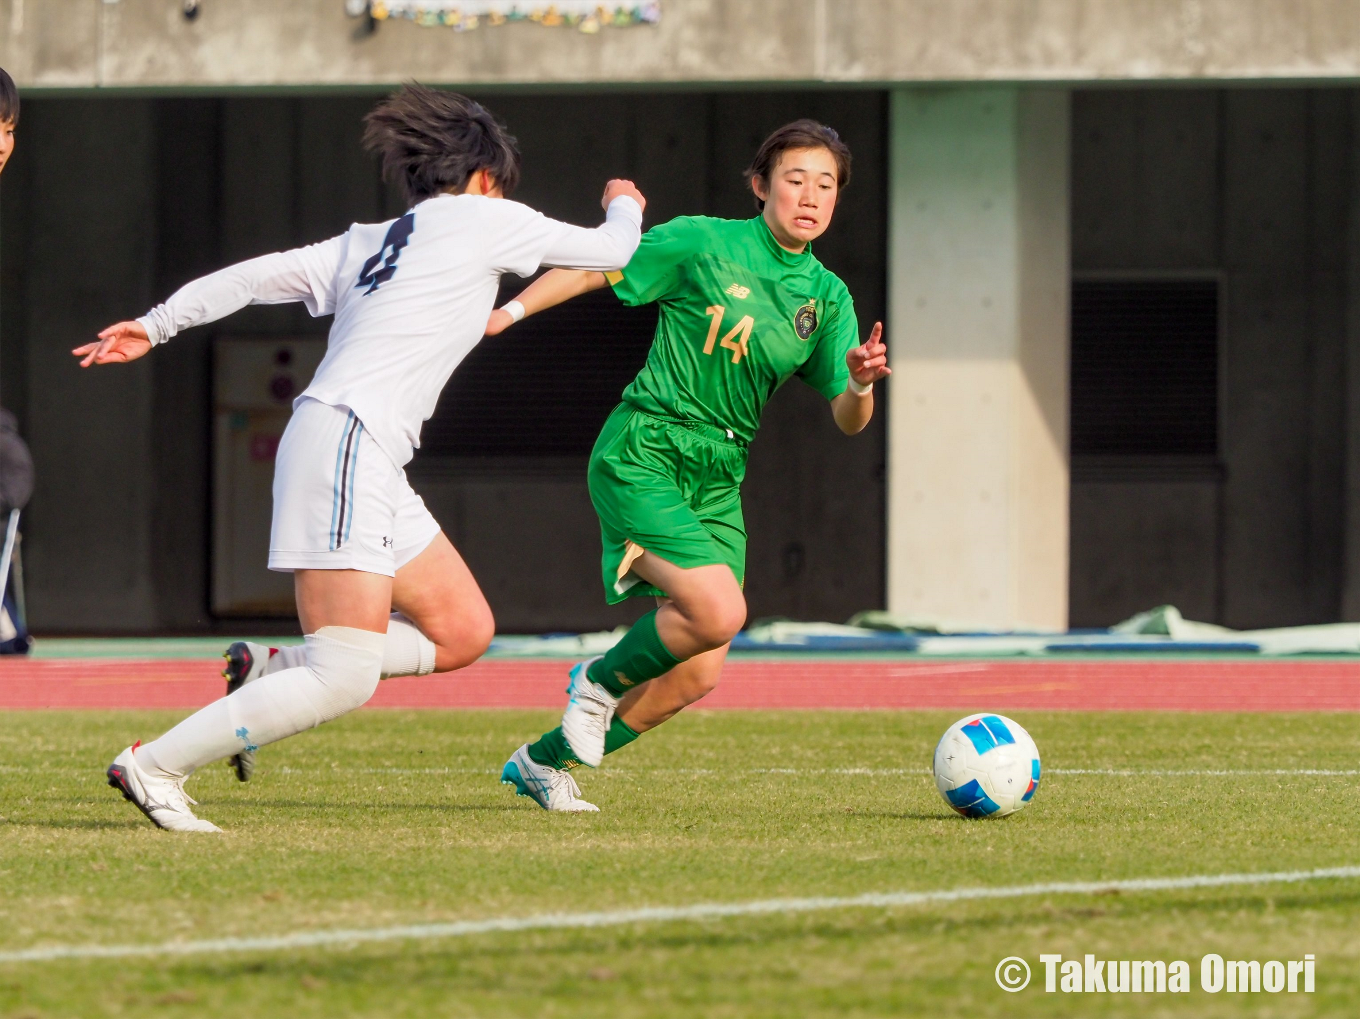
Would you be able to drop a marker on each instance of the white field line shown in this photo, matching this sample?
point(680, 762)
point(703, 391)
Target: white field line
point(1167, 772)
point(1202, 771)
point(662, 914)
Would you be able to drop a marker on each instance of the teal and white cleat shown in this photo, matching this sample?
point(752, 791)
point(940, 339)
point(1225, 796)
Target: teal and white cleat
point(245, 663)
point(588, 716)
point(550, 788)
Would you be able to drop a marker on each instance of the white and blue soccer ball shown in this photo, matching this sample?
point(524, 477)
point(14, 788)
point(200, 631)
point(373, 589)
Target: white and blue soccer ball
point(986, 766)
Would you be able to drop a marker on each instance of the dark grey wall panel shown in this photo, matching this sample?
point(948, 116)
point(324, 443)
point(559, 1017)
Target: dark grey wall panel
point(187, 193)
point(1271, 167)
point(1145, 179)
point(1283, 232)
point(91, 258)
point(1158, 545)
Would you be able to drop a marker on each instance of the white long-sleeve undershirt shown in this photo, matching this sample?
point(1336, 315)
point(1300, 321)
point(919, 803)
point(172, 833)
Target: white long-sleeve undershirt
point(429, 282)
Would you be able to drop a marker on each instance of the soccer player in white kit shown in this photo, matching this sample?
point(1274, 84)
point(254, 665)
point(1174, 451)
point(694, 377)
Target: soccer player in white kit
point(411, 298)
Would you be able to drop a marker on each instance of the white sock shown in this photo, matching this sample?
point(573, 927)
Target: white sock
point(343, 665)
point(291, 656)
point(409, 652)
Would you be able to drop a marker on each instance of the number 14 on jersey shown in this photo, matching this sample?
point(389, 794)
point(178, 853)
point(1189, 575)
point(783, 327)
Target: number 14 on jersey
point(736, 338)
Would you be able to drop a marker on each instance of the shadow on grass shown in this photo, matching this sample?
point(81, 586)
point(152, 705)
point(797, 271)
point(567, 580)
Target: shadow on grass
point(902, 815)
point(322, 806)
point(89, 824)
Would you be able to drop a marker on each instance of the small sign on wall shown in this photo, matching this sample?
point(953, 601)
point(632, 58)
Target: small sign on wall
point(254, 384)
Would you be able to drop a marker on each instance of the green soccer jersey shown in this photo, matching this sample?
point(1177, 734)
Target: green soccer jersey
point(739, 316)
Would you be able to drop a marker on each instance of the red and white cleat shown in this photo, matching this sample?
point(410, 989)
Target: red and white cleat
point(161, 799)
point(245, 663)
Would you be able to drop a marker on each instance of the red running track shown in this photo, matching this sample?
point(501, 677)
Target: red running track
point(1212, 685)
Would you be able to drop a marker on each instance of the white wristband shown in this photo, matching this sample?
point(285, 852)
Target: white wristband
point(858, 389)
point(514, 309)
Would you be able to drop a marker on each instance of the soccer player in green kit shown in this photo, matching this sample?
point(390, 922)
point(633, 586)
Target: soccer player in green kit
point(744, 306)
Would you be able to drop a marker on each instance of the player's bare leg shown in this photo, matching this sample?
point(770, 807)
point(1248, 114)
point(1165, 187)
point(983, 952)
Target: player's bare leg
point(661, 699)
point(344, 614)
point(540, 768)
point(437, 592)
point(443, 622)
point(671, 658)
point(705, 610)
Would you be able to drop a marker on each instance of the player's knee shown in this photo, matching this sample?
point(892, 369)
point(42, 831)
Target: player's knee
point(348, 662)
point(467, 641)
point(720, 619)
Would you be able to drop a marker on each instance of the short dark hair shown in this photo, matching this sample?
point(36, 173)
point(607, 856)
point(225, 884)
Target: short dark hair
point(9, 99)
point(433, 141)
point(801, 134)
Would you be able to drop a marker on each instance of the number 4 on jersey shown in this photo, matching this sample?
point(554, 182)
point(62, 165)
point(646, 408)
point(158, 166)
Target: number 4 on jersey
point(738, 348)
point(398, 236)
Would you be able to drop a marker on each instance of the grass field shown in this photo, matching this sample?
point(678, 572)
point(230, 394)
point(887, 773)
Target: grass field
point(389, 818)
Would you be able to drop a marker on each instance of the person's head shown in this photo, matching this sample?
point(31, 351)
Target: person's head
point(9, 115)
point(796, 176)
point(434, 142)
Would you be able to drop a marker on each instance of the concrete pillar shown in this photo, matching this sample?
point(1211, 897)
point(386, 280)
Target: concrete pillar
point(978, 316)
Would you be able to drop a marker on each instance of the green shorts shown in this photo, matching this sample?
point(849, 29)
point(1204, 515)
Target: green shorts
point(670, 488)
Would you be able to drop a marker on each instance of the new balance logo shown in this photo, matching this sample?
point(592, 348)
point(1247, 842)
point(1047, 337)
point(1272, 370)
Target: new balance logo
point(737, 290)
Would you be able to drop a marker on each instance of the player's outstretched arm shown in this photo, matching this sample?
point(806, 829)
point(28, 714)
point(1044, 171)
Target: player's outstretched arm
point(554, 287)
point(609, 246)
point(302, 274)
point(868, 363)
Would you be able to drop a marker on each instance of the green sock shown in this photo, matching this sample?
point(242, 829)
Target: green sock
point(620, 734)
point(640, 656)
point(552, 750)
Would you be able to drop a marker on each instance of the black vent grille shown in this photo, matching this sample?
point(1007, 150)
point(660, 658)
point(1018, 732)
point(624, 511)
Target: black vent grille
point(544, 387)
point(1145, 368)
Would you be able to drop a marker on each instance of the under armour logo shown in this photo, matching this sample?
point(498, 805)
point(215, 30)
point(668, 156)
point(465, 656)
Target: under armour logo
point(387, 543)
point(398, 236)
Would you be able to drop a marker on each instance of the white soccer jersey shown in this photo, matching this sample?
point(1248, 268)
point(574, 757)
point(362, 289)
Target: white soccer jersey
point(411, 297)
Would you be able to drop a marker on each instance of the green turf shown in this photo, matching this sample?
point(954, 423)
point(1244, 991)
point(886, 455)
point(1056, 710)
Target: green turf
point(393, 817)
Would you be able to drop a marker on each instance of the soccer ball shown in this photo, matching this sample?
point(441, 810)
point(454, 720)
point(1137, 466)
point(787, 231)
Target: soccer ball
point(986, 766)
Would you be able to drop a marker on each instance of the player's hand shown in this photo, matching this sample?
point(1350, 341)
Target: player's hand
point(117, 344)
point(869, 361)
point(617, 188)
point(499, 322)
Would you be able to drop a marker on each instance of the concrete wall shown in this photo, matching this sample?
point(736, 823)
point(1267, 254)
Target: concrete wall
point(1254, 187)
point(83, 231)
point(135, 43)
point(978, 480)
point(118, 533)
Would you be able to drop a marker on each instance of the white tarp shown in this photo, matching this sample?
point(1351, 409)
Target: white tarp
point(1327, 638)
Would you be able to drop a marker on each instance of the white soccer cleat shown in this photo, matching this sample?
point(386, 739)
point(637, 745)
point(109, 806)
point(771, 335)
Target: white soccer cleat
point(588, 716)
point(550, 788)
point(245, 664)
point(163, 800)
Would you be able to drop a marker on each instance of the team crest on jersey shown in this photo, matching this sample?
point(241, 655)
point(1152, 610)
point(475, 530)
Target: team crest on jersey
point(805, 320)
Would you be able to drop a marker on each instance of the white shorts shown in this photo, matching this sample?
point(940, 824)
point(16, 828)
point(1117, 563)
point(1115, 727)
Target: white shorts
point(340, 503)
